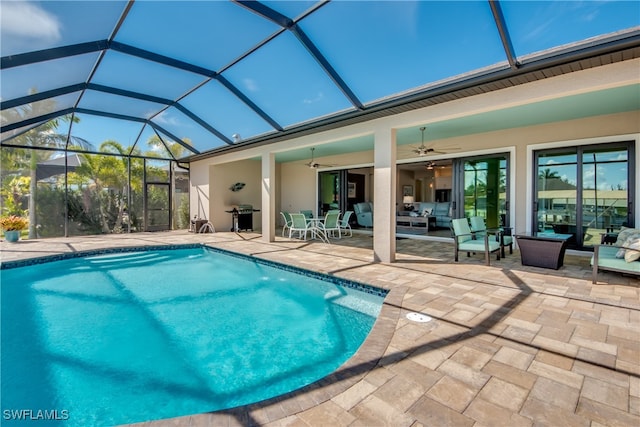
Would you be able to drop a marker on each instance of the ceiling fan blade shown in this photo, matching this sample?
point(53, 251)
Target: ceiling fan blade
point(439, 150)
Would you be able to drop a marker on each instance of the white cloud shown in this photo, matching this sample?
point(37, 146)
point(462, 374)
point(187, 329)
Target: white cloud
point(165, 118)
point(590, 17)
point(318, 98)
point(538, 31)
point(250, 84)
point(588, 174)
point(28, 21)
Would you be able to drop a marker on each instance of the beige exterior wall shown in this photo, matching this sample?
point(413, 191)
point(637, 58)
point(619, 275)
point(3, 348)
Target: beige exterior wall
point(297, 184)
point(221, 199)
point(298, 187)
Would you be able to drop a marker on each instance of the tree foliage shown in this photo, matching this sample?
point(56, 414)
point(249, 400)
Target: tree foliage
point(102, 195)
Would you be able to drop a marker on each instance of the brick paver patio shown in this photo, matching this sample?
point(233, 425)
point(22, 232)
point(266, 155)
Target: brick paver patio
point(507, 345)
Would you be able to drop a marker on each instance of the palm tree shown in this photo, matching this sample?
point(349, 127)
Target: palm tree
point(43, 136)
point(108, 172)
point(547, 174)
point(118, 176)
point(176, 150)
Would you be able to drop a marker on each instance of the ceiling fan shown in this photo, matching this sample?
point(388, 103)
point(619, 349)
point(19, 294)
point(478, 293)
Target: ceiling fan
point(312, 164)
point(423, 150)
point(430, 164)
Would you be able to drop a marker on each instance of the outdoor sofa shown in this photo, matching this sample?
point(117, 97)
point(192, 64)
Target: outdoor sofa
point(622, 257)
point(441, 210)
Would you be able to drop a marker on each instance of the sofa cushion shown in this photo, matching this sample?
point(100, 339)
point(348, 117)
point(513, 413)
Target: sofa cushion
point(631, 254)
point(420, 207)
point(607, 260)
point(630, 238)
point(624, 234)
point(442, 209)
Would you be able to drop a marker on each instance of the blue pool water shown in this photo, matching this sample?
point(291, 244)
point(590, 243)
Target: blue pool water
point(133, 336)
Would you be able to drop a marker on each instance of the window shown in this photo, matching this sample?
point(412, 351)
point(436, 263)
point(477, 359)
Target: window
point(584, 191)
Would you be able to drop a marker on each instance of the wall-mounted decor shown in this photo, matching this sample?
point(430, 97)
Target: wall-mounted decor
point(351, 190)
point(237, 186)
point(407, 190)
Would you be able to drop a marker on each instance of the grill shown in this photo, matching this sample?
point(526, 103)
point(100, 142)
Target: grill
point(242, 217)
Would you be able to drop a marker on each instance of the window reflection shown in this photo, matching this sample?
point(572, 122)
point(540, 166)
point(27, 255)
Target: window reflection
point(583, 191)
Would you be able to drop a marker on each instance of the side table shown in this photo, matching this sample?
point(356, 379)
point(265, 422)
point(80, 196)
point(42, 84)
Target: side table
point(544, 250)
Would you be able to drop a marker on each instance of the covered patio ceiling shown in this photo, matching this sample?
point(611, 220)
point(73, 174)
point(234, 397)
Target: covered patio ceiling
point(208, 77)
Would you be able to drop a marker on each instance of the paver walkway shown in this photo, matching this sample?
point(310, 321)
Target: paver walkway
point(508, 345)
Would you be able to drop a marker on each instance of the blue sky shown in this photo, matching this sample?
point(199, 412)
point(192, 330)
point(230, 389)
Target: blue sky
point(378, 48)
point(608, 171)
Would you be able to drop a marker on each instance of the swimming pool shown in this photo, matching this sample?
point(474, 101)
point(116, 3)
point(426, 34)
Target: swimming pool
point(124, 337)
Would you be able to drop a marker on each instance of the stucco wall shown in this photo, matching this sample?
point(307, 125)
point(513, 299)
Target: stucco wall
point(297, 186)
point(210, 196)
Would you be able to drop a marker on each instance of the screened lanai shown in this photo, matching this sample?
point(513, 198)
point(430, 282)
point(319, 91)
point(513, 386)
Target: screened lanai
point(122, 96)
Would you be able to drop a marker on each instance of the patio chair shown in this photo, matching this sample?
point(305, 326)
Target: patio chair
point(300, 225)
point(286, 217)
point(307, 213)
point(463, 241)
point(331, 224)
point(344, 223)
point(479, 228)
point(506, 239)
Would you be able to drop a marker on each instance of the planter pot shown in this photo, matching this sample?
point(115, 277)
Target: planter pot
point(12, 236)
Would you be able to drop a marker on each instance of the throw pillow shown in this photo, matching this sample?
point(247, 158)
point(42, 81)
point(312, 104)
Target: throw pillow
point(633, 255)
point(631, 238)
point(426, 212)
point(624, 234)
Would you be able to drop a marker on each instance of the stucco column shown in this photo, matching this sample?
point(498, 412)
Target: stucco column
point(384, 195)
point(268, 197)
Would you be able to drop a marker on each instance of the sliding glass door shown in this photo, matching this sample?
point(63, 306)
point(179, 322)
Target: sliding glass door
point(340, 189)
point(605, 202)
point(481, 189)
point(330, 191)
point(583, 191)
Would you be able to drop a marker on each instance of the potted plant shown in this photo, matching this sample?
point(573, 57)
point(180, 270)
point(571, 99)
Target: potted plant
point(12, 225)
